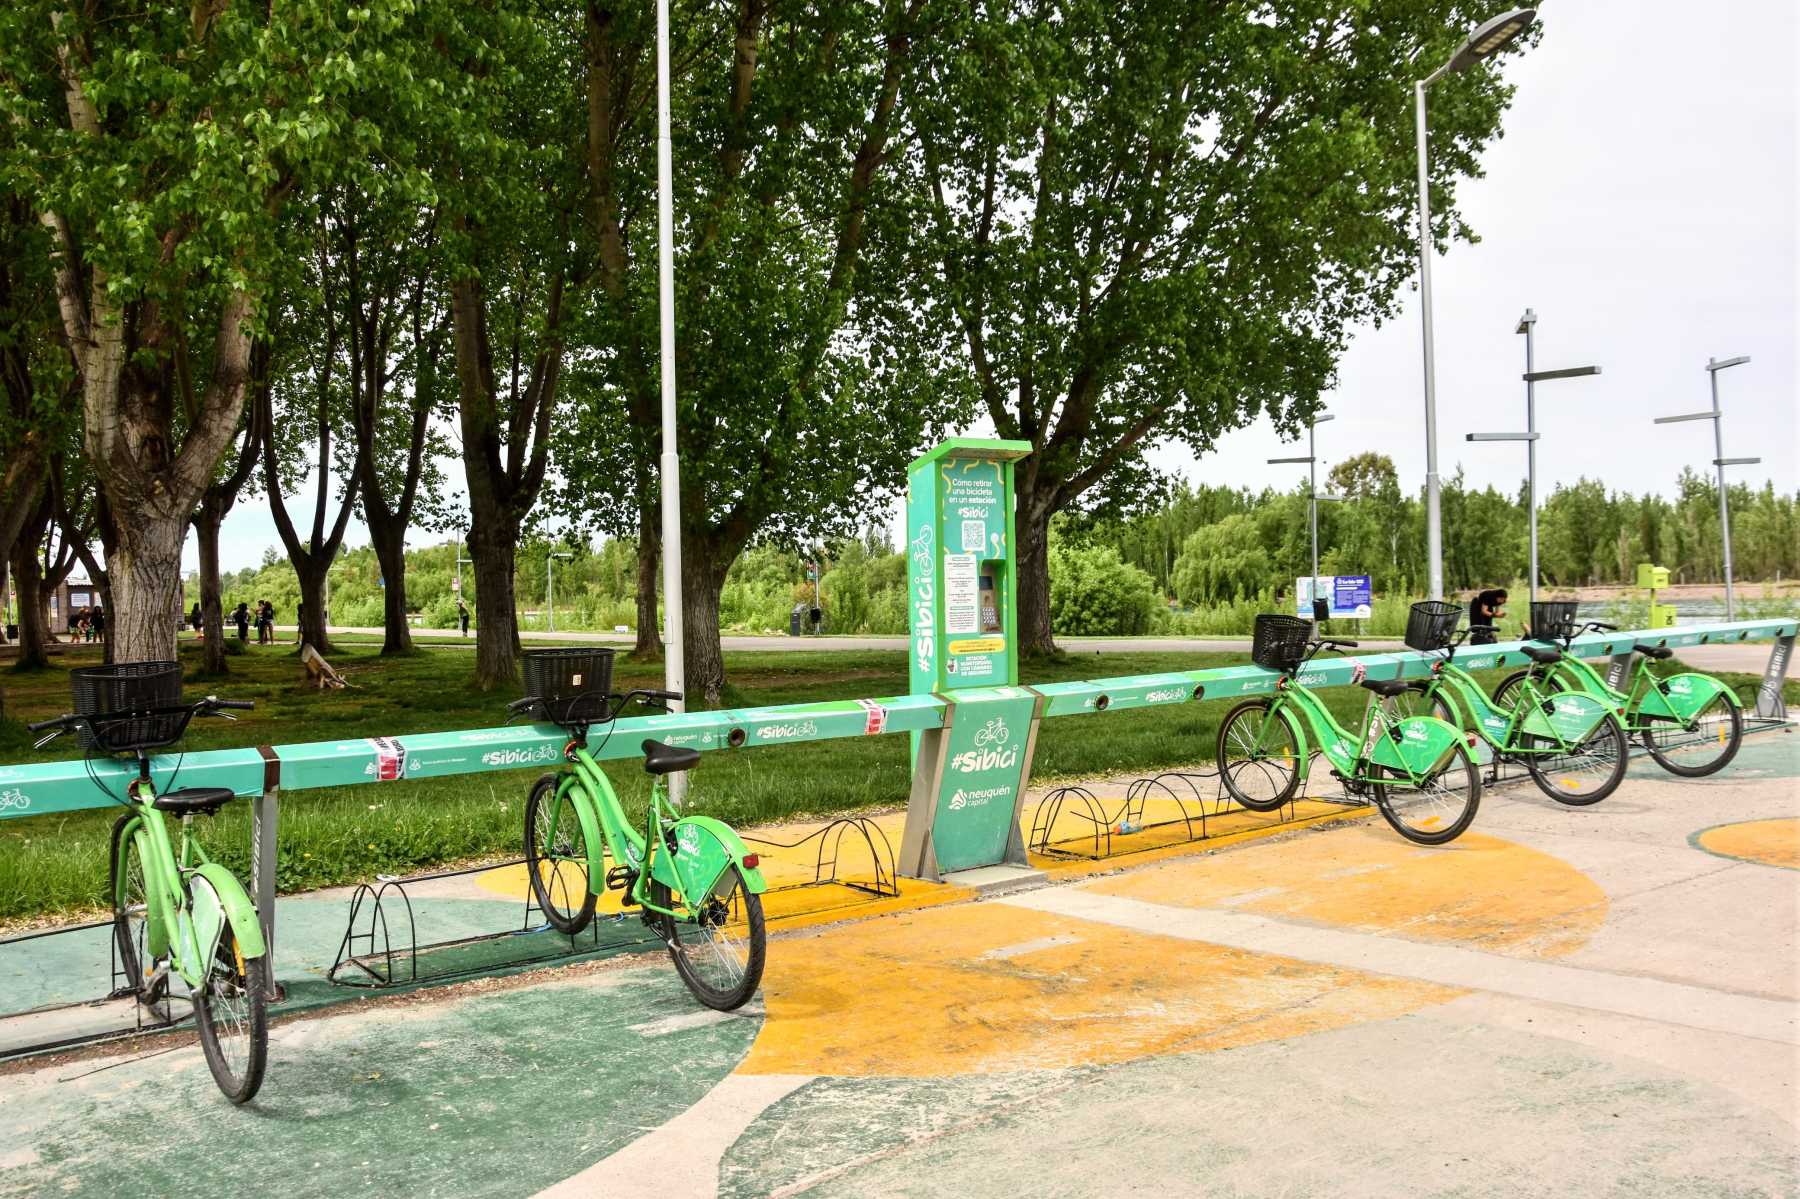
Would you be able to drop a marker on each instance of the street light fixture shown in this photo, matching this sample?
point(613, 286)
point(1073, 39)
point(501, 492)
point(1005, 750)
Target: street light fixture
point(1720, 461)
point(1312, 492)
point(550, 583)
point(1489, 39)
point(1532, 377)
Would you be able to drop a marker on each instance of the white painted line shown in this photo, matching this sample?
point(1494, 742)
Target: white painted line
point(1448, 965)
point(702, 1019)
point(1025, 947)
point(680, 1159)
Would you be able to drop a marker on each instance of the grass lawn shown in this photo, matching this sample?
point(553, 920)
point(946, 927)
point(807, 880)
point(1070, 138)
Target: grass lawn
point(55, 865)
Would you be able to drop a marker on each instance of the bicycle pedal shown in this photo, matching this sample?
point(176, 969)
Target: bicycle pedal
point(620, 878)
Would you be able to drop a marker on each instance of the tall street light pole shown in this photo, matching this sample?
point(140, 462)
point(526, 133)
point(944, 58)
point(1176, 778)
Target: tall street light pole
point(550, 584)
point(1720, 461)
point(1532, 377)
point(674, 665)
point(1489, 39)
point(1312, 492)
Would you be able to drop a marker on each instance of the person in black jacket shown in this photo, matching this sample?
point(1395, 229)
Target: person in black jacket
point(1484, 611)
point(240, 616)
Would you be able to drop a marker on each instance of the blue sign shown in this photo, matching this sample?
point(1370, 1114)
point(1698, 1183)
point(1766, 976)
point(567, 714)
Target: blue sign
point(1352, 597)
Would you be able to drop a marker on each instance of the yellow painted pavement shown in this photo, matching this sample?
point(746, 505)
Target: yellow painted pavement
point(1765, 842)
point(981, 988)
point(1478, 891)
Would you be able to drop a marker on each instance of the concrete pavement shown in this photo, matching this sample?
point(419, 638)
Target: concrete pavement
point(1566, 1001)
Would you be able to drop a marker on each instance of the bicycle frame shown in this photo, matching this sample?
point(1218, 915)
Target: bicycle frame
point(1413, 745)
point(1652, 700)
point(695, 853)
point(186, 932)
point(1559, 723)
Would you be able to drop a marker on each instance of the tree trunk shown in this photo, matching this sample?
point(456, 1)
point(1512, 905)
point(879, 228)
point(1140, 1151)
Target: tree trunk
point(389, 540)
point(33, 625)
point(212, 616)
point(701, 581)
point(649, 553)
point(1031, 525)
point(491, 545)
point(145, 573)
point(312, 618)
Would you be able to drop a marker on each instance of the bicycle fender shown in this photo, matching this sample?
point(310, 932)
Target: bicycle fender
point(1422, 744)
point(590, 833)
point(233, 907)
point(1571, 720)
point(704, 847)
point(156, 933)
point(1686, 694)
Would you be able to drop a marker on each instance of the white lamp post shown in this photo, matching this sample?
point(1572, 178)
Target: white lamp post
point(1532, 377)
point(1489, 39)
point(1312, 491)
point(1720, 461)
point(674, 667)
point(550, 583)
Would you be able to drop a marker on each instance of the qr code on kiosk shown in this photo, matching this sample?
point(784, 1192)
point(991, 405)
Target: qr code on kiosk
point(974, 536)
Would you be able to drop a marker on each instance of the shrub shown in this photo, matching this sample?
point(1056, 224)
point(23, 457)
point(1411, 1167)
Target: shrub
point(1094, 594)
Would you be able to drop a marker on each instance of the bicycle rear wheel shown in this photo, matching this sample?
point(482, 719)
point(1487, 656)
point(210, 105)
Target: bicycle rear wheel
point(231, 1009)
point(1585, 775)
point(1259, 756)
point(1436, 810)
point(719, 952)
point(1706, 748)
point(131, 912)
point(556, 856)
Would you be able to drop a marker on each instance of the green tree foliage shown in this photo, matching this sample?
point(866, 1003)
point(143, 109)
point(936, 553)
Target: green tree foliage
point(1093, 593)
point(158, 146)
point(1160, 219)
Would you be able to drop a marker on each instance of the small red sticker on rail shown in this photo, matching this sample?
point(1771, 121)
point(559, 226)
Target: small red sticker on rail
point(876, 717)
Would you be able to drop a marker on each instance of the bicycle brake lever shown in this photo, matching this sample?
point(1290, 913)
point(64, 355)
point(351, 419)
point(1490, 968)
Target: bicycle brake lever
point(46, 739)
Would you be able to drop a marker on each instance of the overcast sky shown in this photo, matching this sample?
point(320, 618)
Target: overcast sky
point(1642, 201)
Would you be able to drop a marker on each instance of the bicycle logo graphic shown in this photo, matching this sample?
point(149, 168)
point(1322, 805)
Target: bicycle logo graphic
point(921, 548)
point(995, 733)
point(14, 798)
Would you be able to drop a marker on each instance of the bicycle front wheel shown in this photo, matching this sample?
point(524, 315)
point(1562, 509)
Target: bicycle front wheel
point(1437, 809)
point(719, 946)
point(1706, 748)
point(1259, 756)
point(556, 856)
point(1587, 773)
point(131, 916)
point(231, 1008)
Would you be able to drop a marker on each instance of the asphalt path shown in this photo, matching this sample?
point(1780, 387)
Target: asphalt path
point(1749, 657)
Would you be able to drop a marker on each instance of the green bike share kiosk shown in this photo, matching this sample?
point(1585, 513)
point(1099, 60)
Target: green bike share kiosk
point(968, 778)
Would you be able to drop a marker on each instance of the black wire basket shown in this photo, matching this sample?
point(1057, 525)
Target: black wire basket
point(1553, 620)
point(1431, 624)
point(573, 683)
point(1279, 642)
point(116, 700)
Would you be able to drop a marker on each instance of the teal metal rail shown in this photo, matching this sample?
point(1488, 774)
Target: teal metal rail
point(48, 787)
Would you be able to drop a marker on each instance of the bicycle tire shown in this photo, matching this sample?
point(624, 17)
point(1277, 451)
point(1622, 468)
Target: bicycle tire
point(1538, 766)
point(248, 1012)
point(1232, 773)
point(738, 990)
point(131, 913)
point(1384, 795)
point(554, 897)
point(1732, 745)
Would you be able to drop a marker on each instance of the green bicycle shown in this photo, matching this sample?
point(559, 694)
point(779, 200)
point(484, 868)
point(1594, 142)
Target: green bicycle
point(1570, 742)
point(1415, 768)
point(177, 914)
point(692, 879)
point(1692, 724)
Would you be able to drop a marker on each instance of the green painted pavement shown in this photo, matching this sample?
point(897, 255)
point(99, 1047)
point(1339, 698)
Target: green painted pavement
point(497, 1094)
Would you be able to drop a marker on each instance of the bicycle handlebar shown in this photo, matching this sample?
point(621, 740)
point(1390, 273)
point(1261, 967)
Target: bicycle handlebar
point(1598, 627)
point(71, 720)
point(519, 705)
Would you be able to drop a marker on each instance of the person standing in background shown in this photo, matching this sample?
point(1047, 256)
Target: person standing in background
point(462, 614)
point(1485, 610)
point(240, 616)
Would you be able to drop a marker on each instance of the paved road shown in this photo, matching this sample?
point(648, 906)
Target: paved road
point(1567, 1001)
point(1750, 658)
